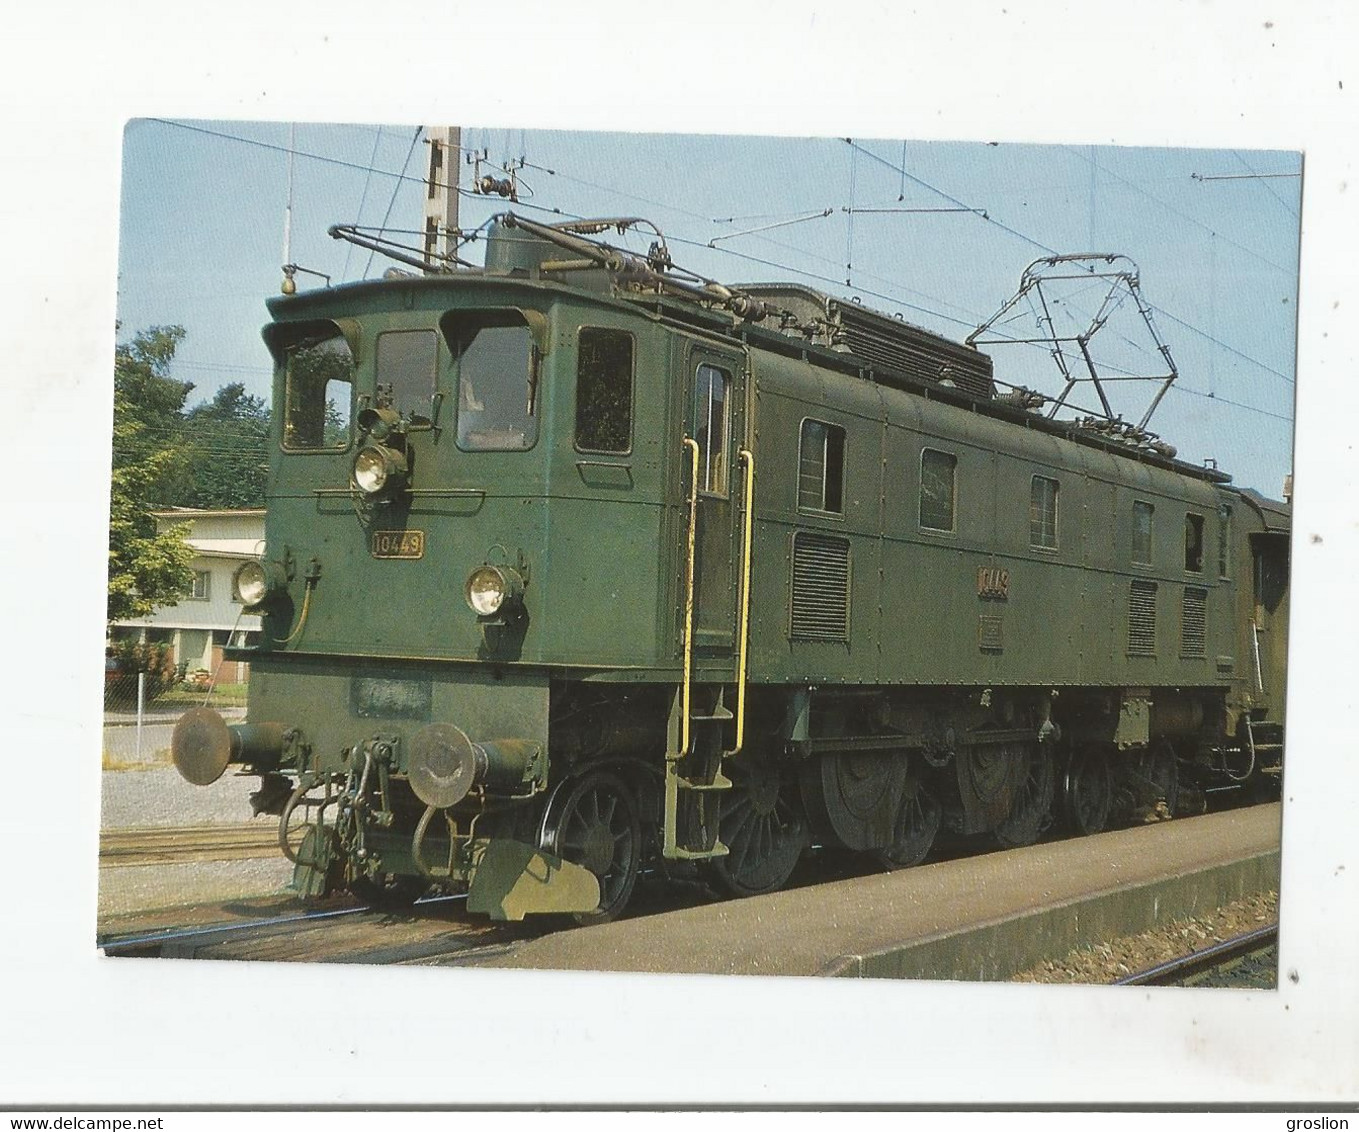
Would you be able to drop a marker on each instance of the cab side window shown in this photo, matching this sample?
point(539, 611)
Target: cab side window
point(604, 391)
point(1143, 514)
point(821, 468)
point(1193, 543)
point(938, 477)
point(1043, 512)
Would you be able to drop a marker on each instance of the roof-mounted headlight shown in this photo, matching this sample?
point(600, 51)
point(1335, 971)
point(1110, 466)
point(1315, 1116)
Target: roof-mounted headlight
point(492, 589)
point(379, 470)
point(256, 582)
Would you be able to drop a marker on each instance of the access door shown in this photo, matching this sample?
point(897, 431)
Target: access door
point(715, 422)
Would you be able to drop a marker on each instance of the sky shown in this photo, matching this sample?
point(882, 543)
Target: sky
point(94, 232)
point(936, 232)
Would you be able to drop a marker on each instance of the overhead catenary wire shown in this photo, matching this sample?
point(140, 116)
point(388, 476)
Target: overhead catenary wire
point(415, 138)
point(1150, 196)
point(1264, 182)
point(951, 199)
point(363, 198)
point(1172, 209)
point(371, 170)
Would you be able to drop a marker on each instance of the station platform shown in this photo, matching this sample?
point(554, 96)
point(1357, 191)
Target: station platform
point(980, 918)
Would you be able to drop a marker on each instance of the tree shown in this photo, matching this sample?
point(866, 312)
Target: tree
point(146, 568)
point(228, 444)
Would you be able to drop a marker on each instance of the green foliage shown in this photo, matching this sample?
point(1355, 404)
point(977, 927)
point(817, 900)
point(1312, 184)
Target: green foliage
point(318, 372)
point(134, 656)
point(227, 439)
point(146, 568)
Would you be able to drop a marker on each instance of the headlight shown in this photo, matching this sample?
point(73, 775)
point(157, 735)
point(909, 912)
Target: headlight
point(493, 589)
point(255, 582)
point(486, 591)
point(377, 468)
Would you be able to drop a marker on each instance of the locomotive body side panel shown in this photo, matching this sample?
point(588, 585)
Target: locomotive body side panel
point(1025, 573)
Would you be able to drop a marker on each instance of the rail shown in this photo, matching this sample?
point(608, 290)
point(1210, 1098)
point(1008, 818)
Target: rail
point(1186, 966)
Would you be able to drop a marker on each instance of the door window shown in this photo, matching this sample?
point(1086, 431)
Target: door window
point(712, 386)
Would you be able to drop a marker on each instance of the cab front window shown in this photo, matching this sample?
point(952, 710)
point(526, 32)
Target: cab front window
point(498, 367)
point(318, 394)
point(406, 368)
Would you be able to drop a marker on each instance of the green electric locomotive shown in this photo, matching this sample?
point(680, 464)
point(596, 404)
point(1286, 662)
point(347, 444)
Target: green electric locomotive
point(577, 563)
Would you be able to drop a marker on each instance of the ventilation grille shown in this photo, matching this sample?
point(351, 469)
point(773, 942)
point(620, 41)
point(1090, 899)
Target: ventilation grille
point(820, 588)
point(1142, 619)
point(1194, 622)
point(917, 356)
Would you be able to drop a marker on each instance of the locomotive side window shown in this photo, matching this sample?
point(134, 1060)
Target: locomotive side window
point(821, 468)
point(497, 385)
point(710, 412)
point(604, 391)
point(318, 394)
point(405, 370)
point(1043, 513)
point(1193, 543)
point(938, 472)
point(1141, 547)
point(1224, 542)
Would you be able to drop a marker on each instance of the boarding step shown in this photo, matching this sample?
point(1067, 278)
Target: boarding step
point(680, 854)
point(694, 782)
point(720, 782)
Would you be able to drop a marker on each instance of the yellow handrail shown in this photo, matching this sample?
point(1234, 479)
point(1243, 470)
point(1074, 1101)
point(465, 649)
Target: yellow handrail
point(686, 692)
point(748, 458)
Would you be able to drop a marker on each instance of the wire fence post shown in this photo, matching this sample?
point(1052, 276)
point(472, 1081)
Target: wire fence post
point(141, 710)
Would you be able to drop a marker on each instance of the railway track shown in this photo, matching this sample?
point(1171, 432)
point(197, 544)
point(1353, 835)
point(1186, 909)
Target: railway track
point(1198, 966)
point(436, 931)
point(162, 845)
point(431, 932)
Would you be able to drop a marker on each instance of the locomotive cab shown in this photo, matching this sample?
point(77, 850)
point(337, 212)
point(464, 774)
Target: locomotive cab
point(466, 496)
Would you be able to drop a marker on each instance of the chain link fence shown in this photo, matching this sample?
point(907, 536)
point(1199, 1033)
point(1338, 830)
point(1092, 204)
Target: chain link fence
point(144, 696)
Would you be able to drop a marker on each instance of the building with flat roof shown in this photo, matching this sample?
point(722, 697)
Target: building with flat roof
point(208, 616)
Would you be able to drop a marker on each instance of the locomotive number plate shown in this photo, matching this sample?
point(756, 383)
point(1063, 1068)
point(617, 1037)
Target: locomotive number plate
point(993, 583)
point(398, 544)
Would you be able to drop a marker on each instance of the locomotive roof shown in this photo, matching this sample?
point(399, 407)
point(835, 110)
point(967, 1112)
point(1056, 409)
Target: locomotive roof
point(854, 340)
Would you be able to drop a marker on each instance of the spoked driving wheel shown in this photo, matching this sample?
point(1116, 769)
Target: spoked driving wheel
point(593, 822)
point(1032, 804)
point(763, 829)
point(1163, 768)
point(918, 823)
point(1088, 791)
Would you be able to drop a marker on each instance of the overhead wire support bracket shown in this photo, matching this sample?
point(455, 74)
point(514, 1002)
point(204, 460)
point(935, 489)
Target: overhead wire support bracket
point(769, 227)
point(869, 211)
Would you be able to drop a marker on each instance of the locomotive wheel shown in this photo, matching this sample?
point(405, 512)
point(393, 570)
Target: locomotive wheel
point(1164, 770)
point(1088, 791)
point(388, 891)
point(763, 830)
point(594, 823)
point(918, 824)
point(1033, 800)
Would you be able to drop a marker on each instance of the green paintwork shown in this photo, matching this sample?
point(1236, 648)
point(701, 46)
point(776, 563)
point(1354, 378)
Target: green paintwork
point(511, 879)
point(388, 645)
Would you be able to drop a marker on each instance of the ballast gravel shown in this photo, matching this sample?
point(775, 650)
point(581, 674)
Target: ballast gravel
point(1107, 962)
